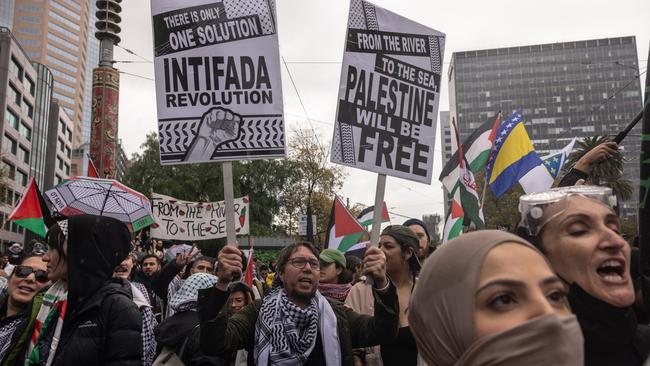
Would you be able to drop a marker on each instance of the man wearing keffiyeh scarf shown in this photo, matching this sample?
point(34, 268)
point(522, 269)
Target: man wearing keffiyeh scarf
point(295, 324)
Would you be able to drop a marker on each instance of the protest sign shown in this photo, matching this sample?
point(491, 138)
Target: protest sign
point(218, 87)
point(388, 95)
point(184, 220)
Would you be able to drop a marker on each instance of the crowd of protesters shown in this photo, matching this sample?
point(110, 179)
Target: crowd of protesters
point(564, 289)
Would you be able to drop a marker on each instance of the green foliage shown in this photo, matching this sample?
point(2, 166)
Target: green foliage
point(266, 255)
point(278, 189)
point(502, 211)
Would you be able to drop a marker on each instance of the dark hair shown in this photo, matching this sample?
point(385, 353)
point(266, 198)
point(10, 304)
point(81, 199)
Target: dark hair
point(149, 256)
point(286, 252)
point(536, 240)
point(191, 264)
point(264, 267)
point(55, 239)
point(405, 238)
point(346, 276)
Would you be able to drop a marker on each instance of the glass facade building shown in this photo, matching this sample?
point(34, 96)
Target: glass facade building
point(6, 13)
point(44, 85)
point(564, 90)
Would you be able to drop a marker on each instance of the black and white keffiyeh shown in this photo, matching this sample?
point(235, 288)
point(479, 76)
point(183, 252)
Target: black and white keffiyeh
point(285, 334)
point(187, 296)
point(6, 333)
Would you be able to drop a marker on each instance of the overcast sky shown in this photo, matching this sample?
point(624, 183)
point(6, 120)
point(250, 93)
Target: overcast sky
point(312, 34)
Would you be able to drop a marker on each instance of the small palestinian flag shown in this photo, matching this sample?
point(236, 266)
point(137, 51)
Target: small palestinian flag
point(343, 230)
point(32, 212)
point(365, 218)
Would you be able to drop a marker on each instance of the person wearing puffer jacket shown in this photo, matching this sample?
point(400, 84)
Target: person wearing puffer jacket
point(92, 315)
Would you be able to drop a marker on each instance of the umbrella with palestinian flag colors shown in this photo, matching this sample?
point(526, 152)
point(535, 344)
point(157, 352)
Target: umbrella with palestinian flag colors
point(32, 212)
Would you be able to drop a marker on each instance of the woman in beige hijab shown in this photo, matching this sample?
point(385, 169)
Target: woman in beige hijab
point(490, 298)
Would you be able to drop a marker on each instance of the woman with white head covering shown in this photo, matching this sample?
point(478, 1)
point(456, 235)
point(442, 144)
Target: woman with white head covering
point(490, 298)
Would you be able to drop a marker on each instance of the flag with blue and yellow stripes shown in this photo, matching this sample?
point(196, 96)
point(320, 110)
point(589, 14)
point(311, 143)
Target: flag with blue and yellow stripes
point(512, 157)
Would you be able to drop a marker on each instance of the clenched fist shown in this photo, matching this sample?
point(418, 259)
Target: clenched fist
point(217, 126)
point(229, 265)
point(374, 264)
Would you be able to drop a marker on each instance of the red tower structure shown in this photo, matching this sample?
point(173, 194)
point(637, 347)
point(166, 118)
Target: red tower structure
point(106, 90)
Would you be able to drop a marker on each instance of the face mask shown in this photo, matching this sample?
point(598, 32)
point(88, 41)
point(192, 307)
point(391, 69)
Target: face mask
point(545, 340)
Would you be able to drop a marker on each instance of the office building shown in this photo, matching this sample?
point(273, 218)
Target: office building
point(447, 147)
point(6, 13)
point(59, 146)
point(564, 90)
point(56, 33)
point(44, 85)
point(17, 103)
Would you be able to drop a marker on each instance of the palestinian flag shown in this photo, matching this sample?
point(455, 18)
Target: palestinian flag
point(477, 152)
point(343, 230)
point(454, 222)
point(365, 218)
point(466, 185)
point(248, 276)
point(32, 212)
point(91, 169)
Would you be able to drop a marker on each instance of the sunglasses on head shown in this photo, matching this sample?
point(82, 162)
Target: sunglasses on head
point(24, 271)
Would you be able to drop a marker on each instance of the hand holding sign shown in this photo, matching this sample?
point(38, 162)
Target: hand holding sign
point(217, 127)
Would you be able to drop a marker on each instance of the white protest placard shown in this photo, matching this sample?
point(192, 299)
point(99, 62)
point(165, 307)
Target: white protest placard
point(218, 87)
point(389, 94)
point(183, 220)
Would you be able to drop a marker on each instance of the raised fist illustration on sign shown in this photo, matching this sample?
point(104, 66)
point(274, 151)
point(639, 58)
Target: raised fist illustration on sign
point(217, 127)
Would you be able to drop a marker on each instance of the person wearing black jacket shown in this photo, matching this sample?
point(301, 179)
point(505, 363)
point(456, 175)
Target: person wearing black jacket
point(179, 333)
point(91, 313)
point(169, 280)
point(579, 232)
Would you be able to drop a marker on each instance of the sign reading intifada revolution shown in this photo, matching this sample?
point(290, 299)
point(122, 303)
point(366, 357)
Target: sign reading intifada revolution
point(183, 220)
point(218, 87)
point(388, 95)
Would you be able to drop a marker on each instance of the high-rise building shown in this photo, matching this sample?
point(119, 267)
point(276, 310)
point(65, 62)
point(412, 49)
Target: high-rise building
point(59, 146)
point(44, 85)
point(6, 13)
point(17, 103)
point(564, 90)
point(445, 137)
point(56, 33)
point(92, 55)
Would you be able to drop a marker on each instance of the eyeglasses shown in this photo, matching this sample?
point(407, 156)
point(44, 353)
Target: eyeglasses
point(301, 263)
point(24, 271)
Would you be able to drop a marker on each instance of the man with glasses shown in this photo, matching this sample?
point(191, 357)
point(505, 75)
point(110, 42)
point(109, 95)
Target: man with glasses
point(295, 324)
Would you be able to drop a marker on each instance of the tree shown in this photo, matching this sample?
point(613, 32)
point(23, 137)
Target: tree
point(607, 173)
point(315, 182)
point(262, 180)
point(503, 211)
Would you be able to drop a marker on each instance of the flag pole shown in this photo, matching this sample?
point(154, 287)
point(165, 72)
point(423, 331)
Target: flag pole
point(377, 215)
point(484, 189)
point(229, 196)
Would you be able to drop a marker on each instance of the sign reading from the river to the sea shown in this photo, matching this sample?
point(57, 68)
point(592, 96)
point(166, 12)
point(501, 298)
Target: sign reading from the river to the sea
point(388, 95)
point(183, 220)
point(218, 86)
